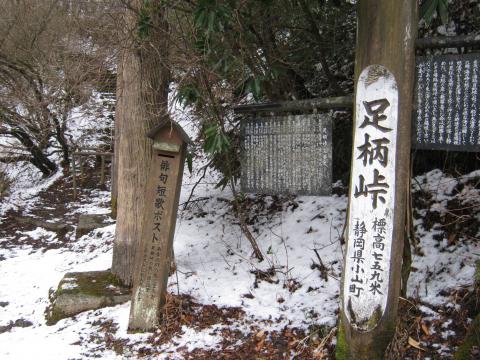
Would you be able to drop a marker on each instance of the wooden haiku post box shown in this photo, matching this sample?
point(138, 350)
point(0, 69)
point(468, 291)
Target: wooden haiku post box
point(152, 263)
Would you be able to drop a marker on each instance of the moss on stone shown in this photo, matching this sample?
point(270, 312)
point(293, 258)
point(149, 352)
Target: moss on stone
point(54, 315)
point(93, 283)
point(83, 291)
point(341, 349)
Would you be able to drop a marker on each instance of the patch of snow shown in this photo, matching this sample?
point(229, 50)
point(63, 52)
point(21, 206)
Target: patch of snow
point(41, 233)
point(441, 267)
point(27, 183)
point(208, 273)
point(193, 339)
point(448, 333)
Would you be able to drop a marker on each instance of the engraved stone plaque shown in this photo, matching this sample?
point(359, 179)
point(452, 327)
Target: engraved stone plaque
point(448, 103)
point(289, 154)
point(372, 199)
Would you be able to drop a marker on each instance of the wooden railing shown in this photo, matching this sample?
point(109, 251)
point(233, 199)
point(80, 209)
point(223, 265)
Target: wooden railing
point(81, 156)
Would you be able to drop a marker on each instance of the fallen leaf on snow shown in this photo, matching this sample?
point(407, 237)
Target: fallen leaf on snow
point(425, 329)
point(260, 335)
point(414, 343)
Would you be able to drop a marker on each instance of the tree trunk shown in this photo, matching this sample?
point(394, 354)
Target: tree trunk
point(60, 136)
point(142, 103)
point(117, 132)
point(38, 159)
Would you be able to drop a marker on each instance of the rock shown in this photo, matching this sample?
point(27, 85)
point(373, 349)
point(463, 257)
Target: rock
point(22, 323)
point(18, 323)
point(59, 228)
point(82, 291)
point(5, 328)
point(87, 223)
point(4, 303)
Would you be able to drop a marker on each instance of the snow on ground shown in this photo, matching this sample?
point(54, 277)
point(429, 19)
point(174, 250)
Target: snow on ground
point(215, 266)
point(443, 265)
point(26, 184)
point(293, 286)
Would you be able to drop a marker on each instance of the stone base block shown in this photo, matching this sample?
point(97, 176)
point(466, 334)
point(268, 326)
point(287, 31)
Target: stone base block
point(82, 291)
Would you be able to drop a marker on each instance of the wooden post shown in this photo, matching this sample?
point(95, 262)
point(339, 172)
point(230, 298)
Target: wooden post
point(102, 170)
point(384, 77)
point(81, 162)
point(74, 177)
point(154, 250)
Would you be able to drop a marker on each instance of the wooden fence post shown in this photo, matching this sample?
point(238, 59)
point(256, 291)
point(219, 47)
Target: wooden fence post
point(81, 163)
point(102, 170)
point(384, 77)
point(74, 177)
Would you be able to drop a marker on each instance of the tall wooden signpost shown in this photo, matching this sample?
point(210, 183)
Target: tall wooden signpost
point(153, 257)
point(384, 77)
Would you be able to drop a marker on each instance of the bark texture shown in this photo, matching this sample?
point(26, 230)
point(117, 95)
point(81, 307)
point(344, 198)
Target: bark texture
point(142, 103)
point(117, 132)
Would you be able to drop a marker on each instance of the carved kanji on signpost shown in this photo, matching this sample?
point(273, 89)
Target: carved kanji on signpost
point(370, 239)
point(379, 177)
point(161, 204)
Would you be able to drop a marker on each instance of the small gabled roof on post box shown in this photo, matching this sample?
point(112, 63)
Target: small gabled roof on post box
point(172, 125)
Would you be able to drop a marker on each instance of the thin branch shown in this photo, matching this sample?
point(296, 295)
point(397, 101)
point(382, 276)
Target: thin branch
point(243, 225)
point(205, 168)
